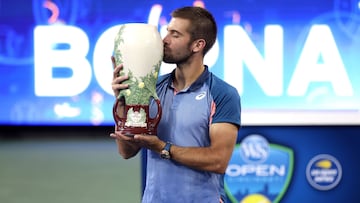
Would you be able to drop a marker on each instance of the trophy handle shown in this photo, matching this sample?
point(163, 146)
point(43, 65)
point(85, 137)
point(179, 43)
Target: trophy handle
point(153, 122)
point(116, 117)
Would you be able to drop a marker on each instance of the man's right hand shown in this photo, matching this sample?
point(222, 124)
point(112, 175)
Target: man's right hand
point(117, 79)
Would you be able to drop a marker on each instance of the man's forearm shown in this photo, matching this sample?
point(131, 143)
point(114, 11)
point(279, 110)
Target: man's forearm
point(126, 149)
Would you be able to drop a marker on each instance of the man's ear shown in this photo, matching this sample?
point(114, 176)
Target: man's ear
point(198, 45)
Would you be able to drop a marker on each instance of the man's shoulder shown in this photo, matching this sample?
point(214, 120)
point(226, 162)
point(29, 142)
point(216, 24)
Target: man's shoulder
point(220, 86)
point(227, 101)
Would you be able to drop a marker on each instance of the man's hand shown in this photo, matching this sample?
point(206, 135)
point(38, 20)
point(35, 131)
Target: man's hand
point(117, 79)
point(151, 142)
point(137, 141)
point(122, 137)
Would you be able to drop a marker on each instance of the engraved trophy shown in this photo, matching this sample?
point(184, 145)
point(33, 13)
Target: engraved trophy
point(139, 47)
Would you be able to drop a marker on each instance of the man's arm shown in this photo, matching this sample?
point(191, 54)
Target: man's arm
point(127, 148)
point(213, 158)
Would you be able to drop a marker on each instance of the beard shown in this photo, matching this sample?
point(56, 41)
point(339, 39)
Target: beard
point(178, 58)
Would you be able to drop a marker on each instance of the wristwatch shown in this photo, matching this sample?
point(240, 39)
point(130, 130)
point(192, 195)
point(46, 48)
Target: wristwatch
point(165, 152)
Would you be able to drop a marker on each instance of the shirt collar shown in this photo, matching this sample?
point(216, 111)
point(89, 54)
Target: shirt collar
point(198, 82)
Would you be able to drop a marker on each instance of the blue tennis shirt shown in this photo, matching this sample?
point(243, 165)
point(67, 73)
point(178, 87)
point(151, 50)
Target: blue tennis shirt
point(186, 118)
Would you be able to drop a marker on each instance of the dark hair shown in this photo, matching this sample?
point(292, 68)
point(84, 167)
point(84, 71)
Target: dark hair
point(202, 24)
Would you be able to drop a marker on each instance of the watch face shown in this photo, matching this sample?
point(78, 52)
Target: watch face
point(165, 154)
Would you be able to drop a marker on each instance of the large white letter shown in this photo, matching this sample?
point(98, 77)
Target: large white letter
point(267, 70)
point(73, 57)
point(103, 50)
point(320, 43)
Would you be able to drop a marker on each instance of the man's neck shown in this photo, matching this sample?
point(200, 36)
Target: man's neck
point(186, 74)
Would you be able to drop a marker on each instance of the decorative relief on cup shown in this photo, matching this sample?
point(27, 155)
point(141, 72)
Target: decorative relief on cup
point(136, 118)
point(142, 83)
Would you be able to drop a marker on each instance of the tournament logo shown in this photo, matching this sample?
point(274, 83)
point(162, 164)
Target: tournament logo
point(258, 171)
point(323, 172)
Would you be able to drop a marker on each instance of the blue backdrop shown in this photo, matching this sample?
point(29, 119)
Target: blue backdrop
point(293, 62)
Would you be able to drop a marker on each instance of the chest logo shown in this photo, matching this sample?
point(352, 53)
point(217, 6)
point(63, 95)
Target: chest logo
point(200, 96)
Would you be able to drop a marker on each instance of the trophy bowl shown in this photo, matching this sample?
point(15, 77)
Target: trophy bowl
point(139, 47)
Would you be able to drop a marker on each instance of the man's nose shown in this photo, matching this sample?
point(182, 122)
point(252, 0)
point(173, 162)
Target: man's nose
point(166, 39)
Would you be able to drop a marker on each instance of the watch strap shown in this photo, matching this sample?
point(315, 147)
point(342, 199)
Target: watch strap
point(167, 146)
point(165, 152)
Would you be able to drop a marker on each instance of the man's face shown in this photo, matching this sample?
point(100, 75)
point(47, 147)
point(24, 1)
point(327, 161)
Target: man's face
point(177, 46)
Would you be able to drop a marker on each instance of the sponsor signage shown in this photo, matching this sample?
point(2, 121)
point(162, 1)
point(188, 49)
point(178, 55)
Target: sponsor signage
point(258, 171)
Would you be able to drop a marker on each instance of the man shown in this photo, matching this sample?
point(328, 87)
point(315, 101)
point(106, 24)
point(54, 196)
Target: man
point(187, 159)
